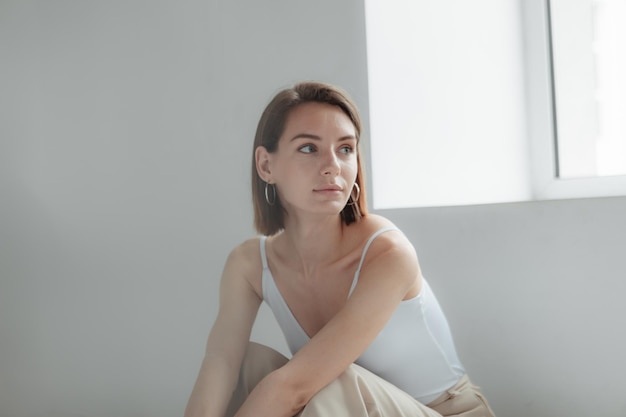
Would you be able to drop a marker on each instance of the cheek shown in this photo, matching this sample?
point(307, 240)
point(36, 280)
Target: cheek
point(350, 168)
point(290, 184)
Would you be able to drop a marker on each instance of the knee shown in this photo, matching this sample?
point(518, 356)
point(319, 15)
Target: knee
point(345, 395)
point(347, 381)
point(257, 352)
point(259, 361)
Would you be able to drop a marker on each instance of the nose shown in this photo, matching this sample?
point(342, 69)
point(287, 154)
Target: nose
point(330, 165)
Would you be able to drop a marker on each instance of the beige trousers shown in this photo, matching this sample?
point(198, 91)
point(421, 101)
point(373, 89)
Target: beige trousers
point(359, 393)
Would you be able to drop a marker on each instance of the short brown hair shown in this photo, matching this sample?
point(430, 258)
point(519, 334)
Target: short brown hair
point(269, 219)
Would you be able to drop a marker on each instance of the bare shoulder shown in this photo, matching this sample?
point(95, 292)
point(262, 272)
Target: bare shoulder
point(391, 240)
point(244, 261)
point(391, 254)
point(247, 253)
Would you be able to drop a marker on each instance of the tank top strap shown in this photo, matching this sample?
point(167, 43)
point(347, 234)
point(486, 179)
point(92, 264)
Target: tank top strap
point(263, 254)
point(367, 245)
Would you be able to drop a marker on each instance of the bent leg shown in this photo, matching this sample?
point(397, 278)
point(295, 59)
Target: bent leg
point(259, 361)
point(359, 393)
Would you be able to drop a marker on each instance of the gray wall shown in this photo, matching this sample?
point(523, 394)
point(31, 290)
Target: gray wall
point(533, 292)
point(125, 133)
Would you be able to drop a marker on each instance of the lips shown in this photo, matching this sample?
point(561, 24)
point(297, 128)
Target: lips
point(329, 187)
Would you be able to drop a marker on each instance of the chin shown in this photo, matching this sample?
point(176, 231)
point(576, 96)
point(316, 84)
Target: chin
point(326, 209)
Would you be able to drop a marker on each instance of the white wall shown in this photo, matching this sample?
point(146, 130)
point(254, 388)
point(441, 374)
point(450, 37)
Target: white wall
point(533, 293)
point(126, 130)
point(125, 133)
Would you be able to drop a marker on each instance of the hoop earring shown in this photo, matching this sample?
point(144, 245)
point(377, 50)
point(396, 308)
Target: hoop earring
point(358, 194)
point(269, 201)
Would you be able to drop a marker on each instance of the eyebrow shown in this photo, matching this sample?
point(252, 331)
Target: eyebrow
point(315, 137)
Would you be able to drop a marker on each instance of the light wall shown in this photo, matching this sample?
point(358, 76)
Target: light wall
point(533, 295)
point(125, 134)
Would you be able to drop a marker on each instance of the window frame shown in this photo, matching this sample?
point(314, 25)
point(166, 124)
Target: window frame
point(541, 116)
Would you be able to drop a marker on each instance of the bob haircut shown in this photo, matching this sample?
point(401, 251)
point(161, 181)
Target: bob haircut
point(269, 219)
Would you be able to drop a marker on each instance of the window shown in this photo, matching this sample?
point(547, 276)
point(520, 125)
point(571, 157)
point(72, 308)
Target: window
point(461, 105)
point(548, 181)
point(589, 78)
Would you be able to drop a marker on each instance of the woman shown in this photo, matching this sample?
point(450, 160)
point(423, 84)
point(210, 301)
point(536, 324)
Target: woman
point(367, 335)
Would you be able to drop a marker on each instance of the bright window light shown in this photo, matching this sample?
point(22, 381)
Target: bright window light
point(589, 61)
point(463, 108)
point(447, 118)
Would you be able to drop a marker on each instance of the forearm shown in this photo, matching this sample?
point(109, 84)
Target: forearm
point(273, 397)
point(213, 389)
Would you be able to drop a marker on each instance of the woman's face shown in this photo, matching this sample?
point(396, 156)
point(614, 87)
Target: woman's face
point(315, 166)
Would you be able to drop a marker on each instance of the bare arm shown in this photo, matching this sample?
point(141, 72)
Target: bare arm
point(229, 336)
point(389, 274)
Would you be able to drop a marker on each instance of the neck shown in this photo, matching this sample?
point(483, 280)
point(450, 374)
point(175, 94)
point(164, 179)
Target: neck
point(315, 242)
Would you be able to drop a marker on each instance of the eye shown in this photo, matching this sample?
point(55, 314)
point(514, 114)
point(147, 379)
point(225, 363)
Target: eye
point(307, 148)
point(347, 149)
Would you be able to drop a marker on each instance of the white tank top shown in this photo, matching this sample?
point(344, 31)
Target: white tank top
point(414, 351)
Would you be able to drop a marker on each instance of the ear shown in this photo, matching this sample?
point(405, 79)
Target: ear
point(263, 161)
